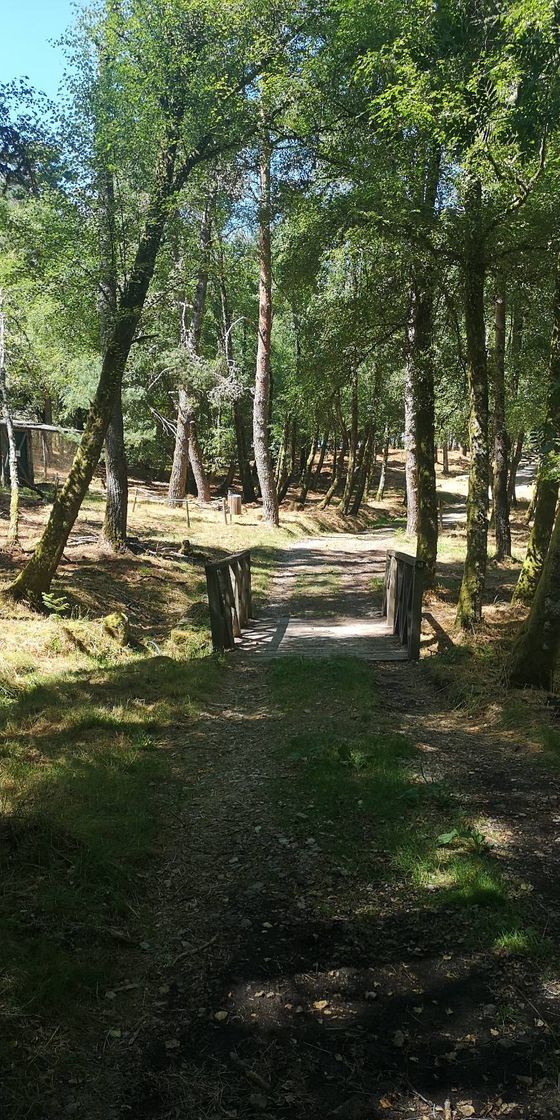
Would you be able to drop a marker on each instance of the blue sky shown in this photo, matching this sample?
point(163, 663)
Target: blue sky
point(25, 47)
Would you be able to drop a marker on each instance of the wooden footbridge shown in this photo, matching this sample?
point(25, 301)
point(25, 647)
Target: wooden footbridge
point(317, 621)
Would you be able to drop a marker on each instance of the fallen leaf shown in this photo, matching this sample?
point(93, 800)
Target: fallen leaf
point(320, 1004)
point(220, 1016)
point(465, 1108)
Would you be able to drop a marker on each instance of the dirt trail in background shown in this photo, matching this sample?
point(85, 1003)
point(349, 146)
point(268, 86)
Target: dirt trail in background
point(270, 993)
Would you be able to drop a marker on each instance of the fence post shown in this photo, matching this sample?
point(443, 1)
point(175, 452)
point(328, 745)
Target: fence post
point(229, 598)
point(416, 611)
point(217, 625)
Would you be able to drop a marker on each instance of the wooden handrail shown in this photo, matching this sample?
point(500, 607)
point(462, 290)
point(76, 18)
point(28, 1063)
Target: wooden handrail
point(402, 598)
point(228, 582)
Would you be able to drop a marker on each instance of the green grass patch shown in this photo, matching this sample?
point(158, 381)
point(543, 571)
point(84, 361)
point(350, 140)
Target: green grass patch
point(388, 822)
point(85, 788)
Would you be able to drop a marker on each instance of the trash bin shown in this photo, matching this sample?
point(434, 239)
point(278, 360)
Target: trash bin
point(234, 503)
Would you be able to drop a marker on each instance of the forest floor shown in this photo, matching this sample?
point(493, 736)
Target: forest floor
point(237, 888)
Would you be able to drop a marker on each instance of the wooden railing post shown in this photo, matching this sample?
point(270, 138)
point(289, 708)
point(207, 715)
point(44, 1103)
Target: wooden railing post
point(416, 611)
point(228, 582)
point(402, 599)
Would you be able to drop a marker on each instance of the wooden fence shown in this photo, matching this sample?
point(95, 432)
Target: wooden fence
point(229, 597)
point(402, 600)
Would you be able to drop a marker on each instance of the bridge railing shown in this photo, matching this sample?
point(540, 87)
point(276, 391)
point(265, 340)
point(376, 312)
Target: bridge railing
point(402, 598)
point(228, 582)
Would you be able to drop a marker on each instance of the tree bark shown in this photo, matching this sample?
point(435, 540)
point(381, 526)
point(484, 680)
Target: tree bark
point(338, 470)
point(546, 496)
point(363, 470)
point(247, 488)
point(501, 439)
point(114, 529)
point(514, 467)
point(474, 264)
point(422, 372)
point(308, 469)
point(177, 488)
point(321, 460)
point(262, 374)
point(445, 455)
point(353, 447)
point(535, 653)
point(188, 444)
point(36, 576)
point(411, 484)
point(384, 460)
point(13, 524)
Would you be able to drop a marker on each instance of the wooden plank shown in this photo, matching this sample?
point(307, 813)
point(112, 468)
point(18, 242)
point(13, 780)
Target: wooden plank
point(214, 564)
point(416, 614)
point(216, 609)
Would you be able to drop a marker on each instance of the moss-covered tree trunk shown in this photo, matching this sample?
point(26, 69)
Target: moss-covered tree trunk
point(114, 532)
point(261, 402)
point(501, 439)
point(546, 496)
point(422, 372)
point(535, 653)
point(474, 270)
point(36, 576)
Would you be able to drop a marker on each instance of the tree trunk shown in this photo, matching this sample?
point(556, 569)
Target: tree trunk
point(114, 529)
point(514, 467)
point(116, 495)
point(322, 453)
point(245, 476)
point(36, 576)
point(445, 455)
point(501, 438)
point(177, 488)
point(308, 470)
point(281, 472)
point(363, 469)
point(247, 488)
point(516, 355)
point(13, 525)
point(422, 373)
point(546, 496)
point(190, 342)
point(351, 469)
point(535, 653)
point(338, 470)
point(411, 492)
point(262, 375)
point(474, 575)
point(384, 460)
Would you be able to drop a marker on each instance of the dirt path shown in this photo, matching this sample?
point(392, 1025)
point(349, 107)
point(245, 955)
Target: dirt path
point(285, 983)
